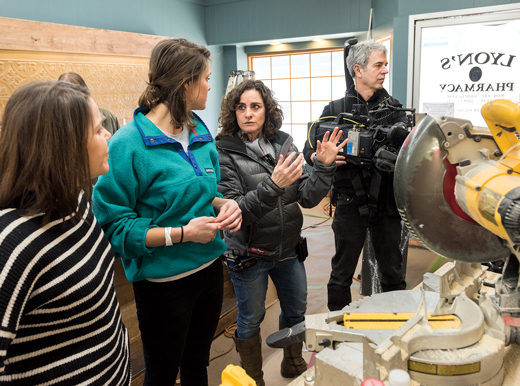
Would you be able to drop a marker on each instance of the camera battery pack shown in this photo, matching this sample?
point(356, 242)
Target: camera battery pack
point(353, 143)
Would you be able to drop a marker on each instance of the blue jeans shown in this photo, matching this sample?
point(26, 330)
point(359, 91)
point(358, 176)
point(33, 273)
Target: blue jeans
point(250, 286)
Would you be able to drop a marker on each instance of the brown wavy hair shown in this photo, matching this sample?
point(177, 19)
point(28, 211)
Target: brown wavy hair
point(43, 149)
point(174, 63)
point(228, 118)
point(73, 77)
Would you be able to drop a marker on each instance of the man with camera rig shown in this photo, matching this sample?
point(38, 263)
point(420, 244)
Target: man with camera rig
point(363, 193)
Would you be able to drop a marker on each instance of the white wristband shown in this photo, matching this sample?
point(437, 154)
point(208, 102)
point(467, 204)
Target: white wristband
point(167, 236)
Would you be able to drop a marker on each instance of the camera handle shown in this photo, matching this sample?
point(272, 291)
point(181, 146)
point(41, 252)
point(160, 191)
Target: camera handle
point(346, 48)
point(353, 118)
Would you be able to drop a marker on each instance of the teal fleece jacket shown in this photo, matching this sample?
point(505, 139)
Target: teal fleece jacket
point(153, 182)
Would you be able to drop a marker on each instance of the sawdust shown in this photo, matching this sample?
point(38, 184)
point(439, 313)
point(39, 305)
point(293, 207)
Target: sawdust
point(456, 288)
point(383, 373)
point(486, 344)
point(412, 331)
point(512, 360)
point(390, 353)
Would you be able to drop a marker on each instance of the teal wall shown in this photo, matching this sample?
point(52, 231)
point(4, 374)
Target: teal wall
point(384, 13)
point(249, 21)
point(253, 20)
point(233, 28)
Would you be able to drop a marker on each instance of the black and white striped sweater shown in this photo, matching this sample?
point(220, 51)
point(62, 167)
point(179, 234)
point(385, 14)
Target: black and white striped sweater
point(60, 322)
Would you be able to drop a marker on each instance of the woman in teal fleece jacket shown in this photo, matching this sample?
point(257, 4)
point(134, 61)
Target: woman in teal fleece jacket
point(160, 209)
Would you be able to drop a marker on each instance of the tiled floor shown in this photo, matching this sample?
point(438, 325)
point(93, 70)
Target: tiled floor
point(321, 248)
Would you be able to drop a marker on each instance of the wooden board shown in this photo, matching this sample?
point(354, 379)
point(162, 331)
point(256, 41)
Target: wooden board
point(30, 35)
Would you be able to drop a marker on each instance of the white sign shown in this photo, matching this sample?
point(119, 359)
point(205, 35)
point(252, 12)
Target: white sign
point(469, 65)
point(439, 109)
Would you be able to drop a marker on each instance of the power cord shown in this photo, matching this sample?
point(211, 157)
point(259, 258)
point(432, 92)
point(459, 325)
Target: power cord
point(228, 333)
point(327, 211)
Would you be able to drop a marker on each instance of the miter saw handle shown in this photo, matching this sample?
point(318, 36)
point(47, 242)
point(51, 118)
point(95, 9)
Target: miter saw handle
point(287, 336)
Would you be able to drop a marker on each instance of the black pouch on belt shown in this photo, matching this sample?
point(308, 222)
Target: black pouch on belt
point(301, 249)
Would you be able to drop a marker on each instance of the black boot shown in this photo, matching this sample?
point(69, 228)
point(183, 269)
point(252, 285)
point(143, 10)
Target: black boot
point(250, 351)
point(293, 363)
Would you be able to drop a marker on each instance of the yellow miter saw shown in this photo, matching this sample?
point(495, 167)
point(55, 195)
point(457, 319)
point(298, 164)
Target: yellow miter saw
point(457, 188)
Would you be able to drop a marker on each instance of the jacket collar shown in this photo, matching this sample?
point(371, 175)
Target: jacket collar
point(379, 94)
point(153, 136)
point(235, 143)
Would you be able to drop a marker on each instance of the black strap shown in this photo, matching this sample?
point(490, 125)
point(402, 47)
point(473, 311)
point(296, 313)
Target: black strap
point(360, 195)
point(337, 106)
point(375, 184)
point(333, 201)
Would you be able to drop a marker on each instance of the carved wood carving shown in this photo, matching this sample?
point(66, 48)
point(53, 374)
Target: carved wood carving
point(114, 64)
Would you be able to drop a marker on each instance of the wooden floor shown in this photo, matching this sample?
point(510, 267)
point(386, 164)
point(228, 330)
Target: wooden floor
point(317, 229)
point(320, 241)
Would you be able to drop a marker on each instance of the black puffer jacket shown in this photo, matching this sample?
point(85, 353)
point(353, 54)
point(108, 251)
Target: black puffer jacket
point(272, 219)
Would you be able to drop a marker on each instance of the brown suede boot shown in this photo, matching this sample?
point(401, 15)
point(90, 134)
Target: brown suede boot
point(250, 351)
point(293, 363)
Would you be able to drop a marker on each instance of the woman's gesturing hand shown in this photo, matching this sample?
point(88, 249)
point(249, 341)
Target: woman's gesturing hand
point(327, 150)
point(201, 230)
point(285, 173)
point(229, 216)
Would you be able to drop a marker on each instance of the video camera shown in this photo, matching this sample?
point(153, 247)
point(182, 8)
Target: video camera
point(372, 141)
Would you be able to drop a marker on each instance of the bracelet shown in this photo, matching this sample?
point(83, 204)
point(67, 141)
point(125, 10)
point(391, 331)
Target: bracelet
point(182, 234)
point(167, 236)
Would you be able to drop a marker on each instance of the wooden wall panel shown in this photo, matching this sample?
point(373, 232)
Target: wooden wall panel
point(114, 64)
point(115, 82)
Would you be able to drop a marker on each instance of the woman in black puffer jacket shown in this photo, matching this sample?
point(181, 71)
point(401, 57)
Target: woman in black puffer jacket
point(262, 171)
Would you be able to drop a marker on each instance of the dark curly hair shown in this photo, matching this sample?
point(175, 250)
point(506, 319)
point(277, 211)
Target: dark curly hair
point(227, 120)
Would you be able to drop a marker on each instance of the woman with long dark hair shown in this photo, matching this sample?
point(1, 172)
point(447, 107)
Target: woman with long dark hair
point(60, 319)
point(160, 209)
point(266, 177)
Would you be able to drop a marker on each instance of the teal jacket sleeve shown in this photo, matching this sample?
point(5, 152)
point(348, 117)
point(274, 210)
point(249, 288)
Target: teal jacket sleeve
point(114, 201)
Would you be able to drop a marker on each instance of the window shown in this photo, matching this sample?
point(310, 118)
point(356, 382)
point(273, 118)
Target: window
point(303, 83)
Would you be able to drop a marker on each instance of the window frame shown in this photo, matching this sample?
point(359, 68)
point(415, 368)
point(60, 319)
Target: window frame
point(289, 120)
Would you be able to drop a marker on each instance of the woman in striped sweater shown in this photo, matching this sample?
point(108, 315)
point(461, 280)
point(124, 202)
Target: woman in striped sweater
point(59, 317)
